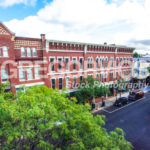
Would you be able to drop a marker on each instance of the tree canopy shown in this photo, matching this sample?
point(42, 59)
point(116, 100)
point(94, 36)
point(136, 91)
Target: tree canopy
point(45, 118)
point(136, 55)
point(92, 89)
point(148, 69)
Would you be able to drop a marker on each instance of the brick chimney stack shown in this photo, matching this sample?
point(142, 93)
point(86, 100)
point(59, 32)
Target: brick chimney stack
point(43, 38)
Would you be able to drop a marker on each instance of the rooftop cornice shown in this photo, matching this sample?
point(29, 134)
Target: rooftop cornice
point(91, 44)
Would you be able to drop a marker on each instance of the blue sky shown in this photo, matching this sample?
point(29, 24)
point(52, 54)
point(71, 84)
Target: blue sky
point(123, 22)
point(20, 11)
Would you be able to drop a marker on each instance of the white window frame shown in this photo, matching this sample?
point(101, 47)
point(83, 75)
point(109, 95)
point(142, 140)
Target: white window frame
point(75, 62)
point(106, 76)
point(62, 82)
point(68, 84)
point(102, 62)
point(23, 51)
point(21, 74)
point(28, 52)
point(37, 72)
point(5, 51)
point(51, 82)
point(106, 58)
point(81, 68)
point(52, 57)
point(34, 51)
point(60, 57)
point(68, 63)
point(96, 76)
point(4, 73)
point(117, 58)
point(28, 75)
point(97, 65)
point(74, 77)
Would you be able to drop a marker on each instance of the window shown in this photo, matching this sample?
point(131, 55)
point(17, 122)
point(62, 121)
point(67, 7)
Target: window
point(97, 76)
point(67, 63)
point(67, 83)
point(120, 75)
point(60, 83)
point(100, 62)
point(96, 62)
point(116, 75)
point(23, 54)
point(105, 80)
point(34, 52)
point(117, 62)
point(4, 75)
point(88, 63)
point(81, 78)
point(91, 63)
point(102, 79)
point(5, 51)
point(111, 62)
point(120, 61)
point(124, 61)
point(81, 63)
point(103, 62)
point(130, 61)
point(74, 63)
point(74, 82)
point(29, 74)
point(110, 76)
point(29, 52)
point(59, 63)
point(106, 62)
point(37, 73)
point(21, 74)
point(52, 67)
point(53, 83)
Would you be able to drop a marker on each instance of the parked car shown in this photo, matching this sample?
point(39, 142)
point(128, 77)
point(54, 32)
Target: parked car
point(135, 95)
point(121, 101)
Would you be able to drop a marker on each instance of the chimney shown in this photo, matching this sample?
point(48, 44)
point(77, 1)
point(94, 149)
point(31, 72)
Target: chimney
point(43, 38)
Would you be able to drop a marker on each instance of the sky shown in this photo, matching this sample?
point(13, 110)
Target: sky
point(122, 22)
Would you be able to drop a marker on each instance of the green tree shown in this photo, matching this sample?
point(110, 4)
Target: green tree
point(136, 55)
point(148, 69)
point(45, 118)
point(7, 95)
point(92, 89)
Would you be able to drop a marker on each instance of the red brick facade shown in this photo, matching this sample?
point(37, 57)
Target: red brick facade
point(33, 61)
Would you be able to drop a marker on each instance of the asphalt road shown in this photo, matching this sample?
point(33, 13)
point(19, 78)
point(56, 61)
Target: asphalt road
point(134, 119)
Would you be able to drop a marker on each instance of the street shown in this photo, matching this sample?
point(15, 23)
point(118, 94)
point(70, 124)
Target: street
point(134, 119)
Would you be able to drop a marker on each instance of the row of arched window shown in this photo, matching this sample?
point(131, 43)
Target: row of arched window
point(28, 52)
point(103, 62)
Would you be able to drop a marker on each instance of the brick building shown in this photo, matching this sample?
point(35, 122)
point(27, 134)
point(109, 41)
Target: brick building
point(59, 64)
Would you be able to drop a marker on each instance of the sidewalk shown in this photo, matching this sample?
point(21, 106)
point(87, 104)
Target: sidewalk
point(110, 101)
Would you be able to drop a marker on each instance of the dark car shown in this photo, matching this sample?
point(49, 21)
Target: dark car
point(121, 101)
point(135, 95)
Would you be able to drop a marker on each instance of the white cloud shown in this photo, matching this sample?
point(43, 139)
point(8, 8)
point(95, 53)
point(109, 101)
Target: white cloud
point(7, 3)
point(120, 22)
